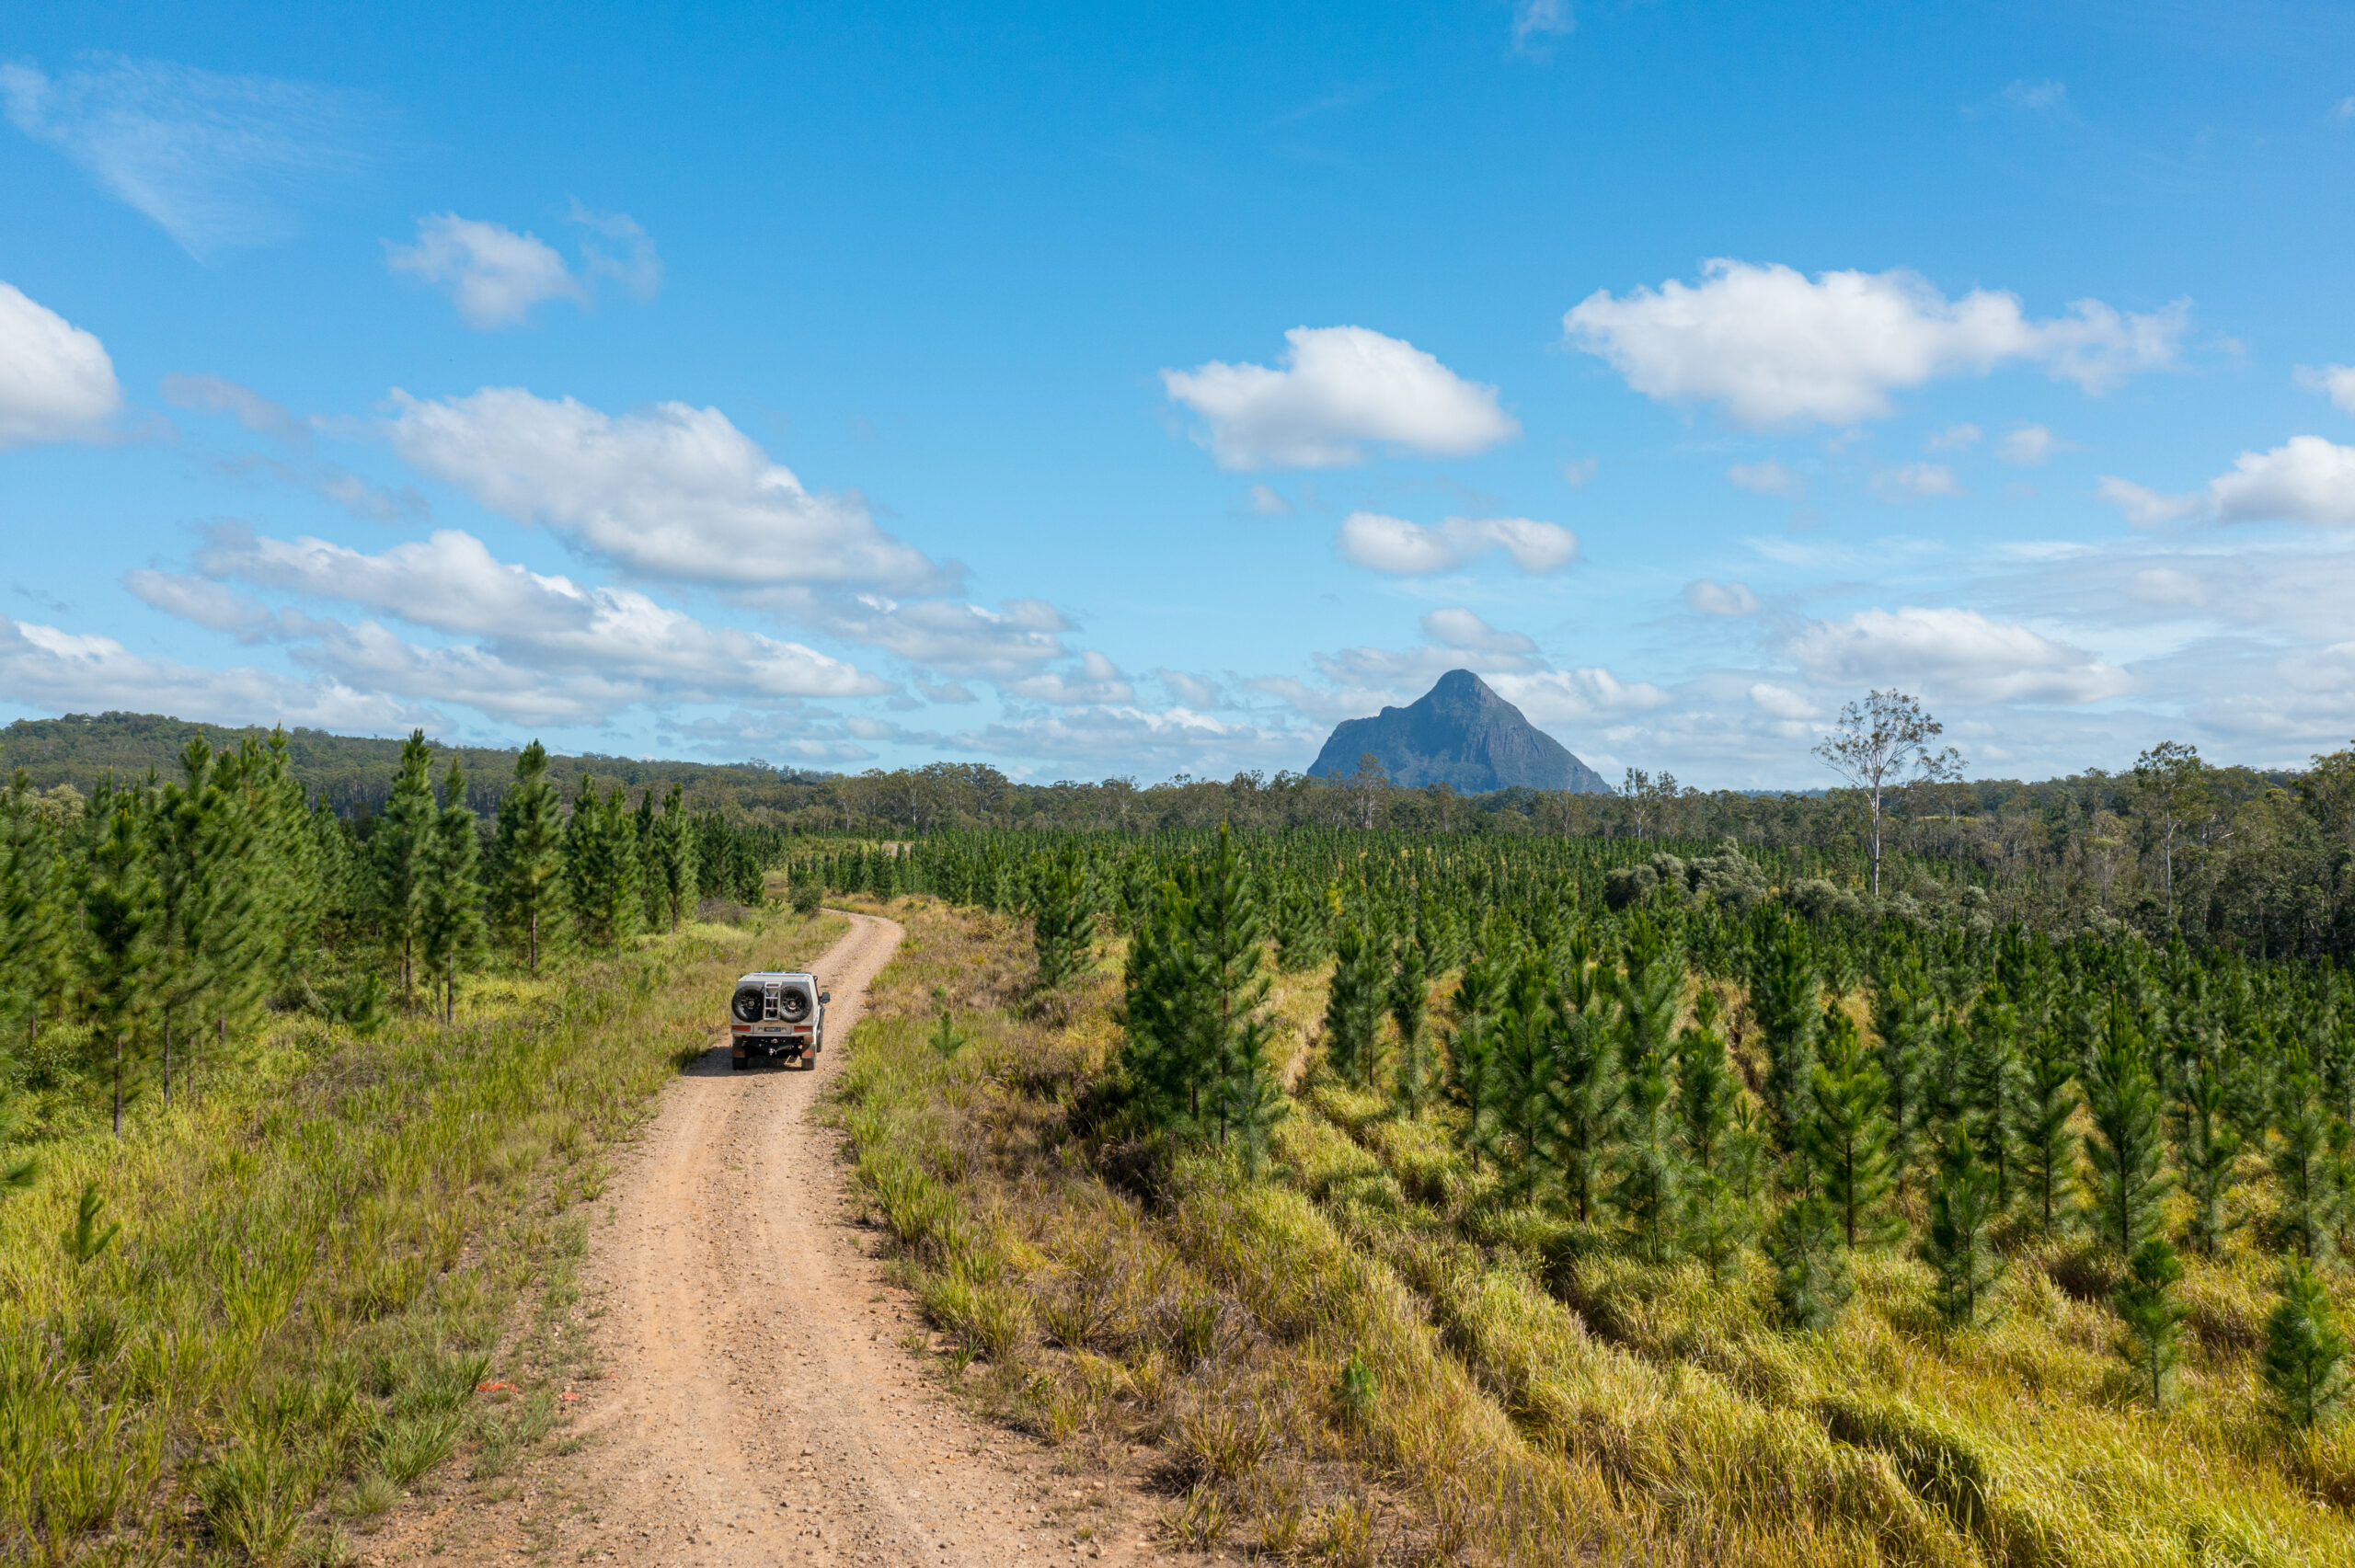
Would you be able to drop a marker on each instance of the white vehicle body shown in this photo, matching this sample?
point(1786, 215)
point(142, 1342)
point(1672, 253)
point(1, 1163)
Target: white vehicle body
point(776, 1013)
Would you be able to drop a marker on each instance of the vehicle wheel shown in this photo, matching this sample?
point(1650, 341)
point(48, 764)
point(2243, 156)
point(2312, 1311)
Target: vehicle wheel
point(735, 1064)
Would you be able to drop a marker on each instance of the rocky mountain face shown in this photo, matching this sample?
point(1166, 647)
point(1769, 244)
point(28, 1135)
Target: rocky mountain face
point(1460, 734)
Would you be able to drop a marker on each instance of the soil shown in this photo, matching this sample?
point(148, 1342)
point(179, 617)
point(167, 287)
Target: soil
point(766, 1395)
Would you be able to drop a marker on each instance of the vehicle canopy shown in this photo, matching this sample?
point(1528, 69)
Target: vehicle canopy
point(785, 996)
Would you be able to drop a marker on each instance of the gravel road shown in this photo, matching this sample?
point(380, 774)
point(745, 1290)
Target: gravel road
point(761, 1406)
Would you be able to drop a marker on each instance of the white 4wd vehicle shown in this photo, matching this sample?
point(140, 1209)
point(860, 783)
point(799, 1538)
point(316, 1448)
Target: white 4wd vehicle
point(777, 1014)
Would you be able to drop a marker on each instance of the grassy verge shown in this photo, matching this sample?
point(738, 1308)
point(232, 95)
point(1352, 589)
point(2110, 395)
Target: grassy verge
point(1368, 1359)
point(317, 1260)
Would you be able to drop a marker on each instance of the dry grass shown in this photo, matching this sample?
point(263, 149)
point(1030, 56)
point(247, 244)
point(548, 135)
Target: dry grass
point(1366, 1359)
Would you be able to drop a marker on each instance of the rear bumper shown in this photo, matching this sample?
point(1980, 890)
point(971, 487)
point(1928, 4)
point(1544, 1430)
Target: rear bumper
point(755, 1040)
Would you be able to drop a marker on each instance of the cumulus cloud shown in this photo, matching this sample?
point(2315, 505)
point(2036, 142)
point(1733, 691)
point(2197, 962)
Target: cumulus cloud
point(1463, 630)
point(66, 672)
point(1774, 348)
point(2336, 381)
point(1097, 680)
point(1767, 478)
point(2029, 445)
point(56, 382)
point(595, 649)
point(942, 636)
point(1340, 388)
point(1783, 702)
point(2305, 479)
point(1915, 481)
point(623, 251)
point(1713, 597)
point(1406, 549)
point(216, 161)
point(671, 491)
point(2146, 507)
point(1267, 503)
point(212, 395)
point(1959, 654)
point(494, 275)
point(1198, 692)
point(1589, 695)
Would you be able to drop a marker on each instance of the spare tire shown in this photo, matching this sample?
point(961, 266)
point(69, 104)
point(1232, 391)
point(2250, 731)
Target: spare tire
point(793, 1004)
point(747, 1005)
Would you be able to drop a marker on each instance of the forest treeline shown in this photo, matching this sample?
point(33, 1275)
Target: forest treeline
point(2256, 862)
point(150, 924)
point(1674, 1060)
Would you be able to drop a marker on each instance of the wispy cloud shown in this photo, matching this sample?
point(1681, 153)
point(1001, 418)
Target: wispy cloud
point(219, 162)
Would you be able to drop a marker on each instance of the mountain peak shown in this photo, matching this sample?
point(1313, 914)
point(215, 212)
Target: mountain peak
point(1462, 734)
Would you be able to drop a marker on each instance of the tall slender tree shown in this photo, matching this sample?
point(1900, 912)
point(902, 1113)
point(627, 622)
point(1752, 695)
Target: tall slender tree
point(120, 913)
point(1844, 1140)
point(527, 856)
point(2126, 1150)
point(1410, 1015)
point(399, 847)
point(673, 860)
point(1957, 1243)
point(450, 927)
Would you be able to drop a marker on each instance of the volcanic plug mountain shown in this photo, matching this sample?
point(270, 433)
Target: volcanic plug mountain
point(1462, 734)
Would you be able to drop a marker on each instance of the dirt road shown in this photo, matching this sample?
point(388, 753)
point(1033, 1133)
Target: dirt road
point(762, 1406)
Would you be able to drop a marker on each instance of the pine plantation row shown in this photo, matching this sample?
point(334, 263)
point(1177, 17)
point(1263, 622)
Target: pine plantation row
point(1669, 1057)
point(154, 922)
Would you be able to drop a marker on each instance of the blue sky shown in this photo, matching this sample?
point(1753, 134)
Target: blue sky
point(1132, 391)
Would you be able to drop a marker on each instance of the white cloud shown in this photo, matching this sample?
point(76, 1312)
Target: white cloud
point(1466, 632)
point(1194, 692)
point(1129, 739)
point(671, 491)
point(2029, 445)
point(2146, 507)
point(2306, 479)
point(215, 160)
point(1915, 481)
point(2167, 588)
point(1782, 702)
point(944, 637)
point(631, 261)
point(56, 383)
point(72, 673)
point(1097, 680)
point(1957, 653)
point(1341, 387)
point(1775, 349)
point(1955, 437)
point(1267, 503)
point(1406, 549)
point(1712, 598)
point(211, 394)
point(1585, 695)
point(1578, 473)
point(1536, 20)
point(495, 275)
point(595, 649)
point(2337, 382)
point(1767, 478)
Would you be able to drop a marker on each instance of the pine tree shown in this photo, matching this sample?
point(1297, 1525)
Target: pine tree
point(450, 926)
point(1988, 1082)
point(2307, 1218)
point(1524, 1097)
point(397, 849)
point(1812, 1281)
point(1587, 1097)
point(1229, 937)
point(601, 867)
point(527, 856)
point(120, 915)
point(1471, 1051)
point(1902, 1017)
point(1784, 998)
point(1297, 920)
point(1957, 1243)
point(2046, 1106)
point(1409, 1006)
point(1707, 1090)
point(1353, 1005)
point(1651, 1178)
point(2126, 1150)
point(2207, 1150)
point(673, 863)
point(2145, 1303)
point(2305, 1353)
point(1844, 1140)
point(1163, 1071)
point(35, 951)
point(1063, 921)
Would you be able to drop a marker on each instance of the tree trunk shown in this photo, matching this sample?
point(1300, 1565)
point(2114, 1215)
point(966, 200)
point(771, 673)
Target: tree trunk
point(167, 1064)
point(531, 924)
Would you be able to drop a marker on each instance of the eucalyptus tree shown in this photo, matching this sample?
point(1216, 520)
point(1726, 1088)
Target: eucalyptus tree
point(1880, 744)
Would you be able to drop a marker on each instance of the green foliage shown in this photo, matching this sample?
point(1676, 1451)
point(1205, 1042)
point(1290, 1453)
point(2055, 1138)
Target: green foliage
point(601, 863)
point(83, 1241)
point(1812, 1279)
point(2126, 1151)
point(527, 858)
point(2307, 1220)
point(944, 1040)
point(1353, 1005)
point(2305, 1358)
point(1957, 1242)
point(401, 849)
point(1410, 1008)
point(451, 929)
point(2147, 1305)
point(1062, 921)
point(1844, 1140)
point(2207, 1149)
point(1785, 997)
point(673, 860)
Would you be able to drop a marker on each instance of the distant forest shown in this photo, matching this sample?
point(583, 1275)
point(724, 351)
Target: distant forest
point(2259, 862)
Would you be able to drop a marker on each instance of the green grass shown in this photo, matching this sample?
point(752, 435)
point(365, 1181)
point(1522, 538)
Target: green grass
point(1370, 1357)
point(319, 1258)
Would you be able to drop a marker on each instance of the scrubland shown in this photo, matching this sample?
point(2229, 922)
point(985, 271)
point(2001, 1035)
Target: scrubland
point(1369, 1353)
